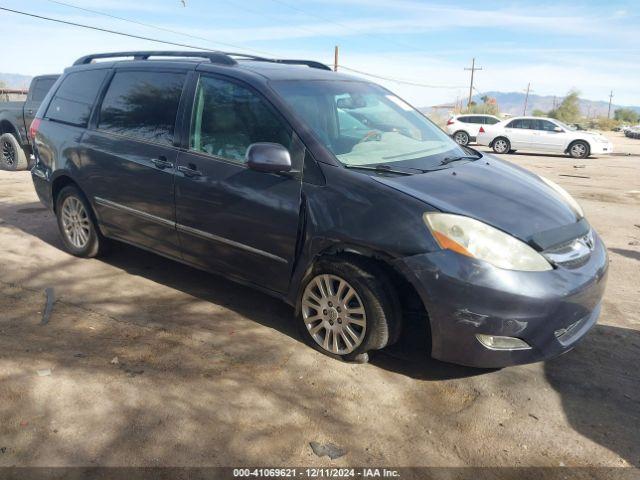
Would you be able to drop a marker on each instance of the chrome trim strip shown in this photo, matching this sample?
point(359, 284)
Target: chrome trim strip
point(133, 211)
point(216, 238)
point(186, 229)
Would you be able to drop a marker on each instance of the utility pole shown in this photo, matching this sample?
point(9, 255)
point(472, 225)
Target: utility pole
point(554, 102)
point(526, 99)
point(336, 53)
point(610, 98)
point(473, 70)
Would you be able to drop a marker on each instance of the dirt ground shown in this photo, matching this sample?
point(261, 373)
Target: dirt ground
point(146, 362)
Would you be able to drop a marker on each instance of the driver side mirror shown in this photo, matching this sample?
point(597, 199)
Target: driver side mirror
point(558, 130)
point(268, 157)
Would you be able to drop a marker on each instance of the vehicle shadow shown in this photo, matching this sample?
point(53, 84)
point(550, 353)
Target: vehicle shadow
point(604, 365)
point(625, 252)
point(408, 357)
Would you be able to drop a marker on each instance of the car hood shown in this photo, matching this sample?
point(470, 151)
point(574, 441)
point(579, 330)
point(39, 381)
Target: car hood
point(493, 191)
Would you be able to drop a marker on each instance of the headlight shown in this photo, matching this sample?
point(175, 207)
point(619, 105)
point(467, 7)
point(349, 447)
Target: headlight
point(565, 195)
point(475, 239)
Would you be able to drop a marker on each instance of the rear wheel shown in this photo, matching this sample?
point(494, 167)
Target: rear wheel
point(579, 149)
point(461, 138)
point(348, 308)
point(77, 224)
point(501, 145)
point(12, 157)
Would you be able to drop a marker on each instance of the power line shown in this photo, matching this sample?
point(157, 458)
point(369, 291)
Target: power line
point(196, 47)
point(397, 80)
point(106, 30)
point(148, 25)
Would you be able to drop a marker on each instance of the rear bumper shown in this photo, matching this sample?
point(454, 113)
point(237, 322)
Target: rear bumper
point(42, 185)
point(551, 311)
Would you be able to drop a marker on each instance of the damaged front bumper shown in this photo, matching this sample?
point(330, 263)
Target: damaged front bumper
point(550, 311)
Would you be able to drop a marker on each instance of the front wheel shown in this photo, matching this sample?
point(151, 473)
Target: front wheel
point(347, 308)
point(501, 145)
point(579, 149)
point(12, 156)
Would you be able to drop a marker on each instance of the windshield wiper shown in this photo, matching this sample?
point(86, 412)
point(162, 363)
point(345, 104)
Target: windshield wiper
point(449, 160)
point(380, 168)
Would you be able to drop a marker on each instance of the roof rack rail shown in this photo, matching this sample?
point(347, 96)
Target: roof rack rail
point(213, 57)
point(223, 58)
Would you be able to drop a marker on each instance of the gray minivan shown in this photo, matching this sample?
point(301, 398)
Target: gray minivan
point(324, 190)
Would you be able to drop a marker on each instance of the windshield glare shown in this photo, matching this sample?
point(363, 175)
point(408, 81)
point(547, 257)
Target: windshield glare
point(364, 124)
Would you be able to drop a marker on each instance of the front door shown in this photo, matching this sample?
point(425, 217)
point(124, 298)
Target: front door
point(232, 219)
point(550, 139)
point(129, 163)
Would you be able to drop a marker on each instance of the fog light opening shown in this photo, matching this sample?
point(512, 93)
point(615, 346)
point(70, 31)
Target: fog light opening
point(494, 342)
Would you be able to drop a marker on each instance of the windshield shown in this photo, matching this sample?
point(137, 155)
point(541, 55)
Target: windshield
point(364, 124)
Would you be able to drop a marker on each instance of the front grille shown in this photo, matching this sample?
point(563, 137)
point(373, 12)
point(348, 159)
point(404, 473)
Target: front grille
point(573, 253)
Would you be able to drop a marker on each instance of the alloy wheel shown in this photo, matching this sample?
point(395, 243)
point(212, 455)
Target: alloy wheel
point(334, 314)
point(75, 222)
point(578, 150)
point(500, 146)
point(8, 153)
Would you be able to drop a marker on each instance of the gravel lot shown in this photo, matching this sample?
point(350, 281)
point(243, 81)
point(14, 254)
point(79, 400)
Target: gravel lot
point(146, 362)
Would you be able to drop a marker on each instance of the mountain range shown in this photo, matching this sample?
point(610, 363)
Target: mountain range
point(513, 103)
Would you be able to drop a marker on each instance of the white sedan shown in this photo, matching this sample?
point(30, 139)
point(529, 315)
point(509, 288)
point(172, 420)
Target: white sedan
point(542, 135)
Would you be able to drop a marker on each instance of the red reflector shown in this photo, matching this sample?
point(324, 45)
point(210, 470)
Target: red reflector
point(481, 130)
point(450, 122)
point(33, 129)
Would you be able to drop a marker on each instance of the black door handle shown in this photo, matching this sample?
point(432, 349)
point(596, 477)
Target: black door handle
point(190, 171)
point(161, 162)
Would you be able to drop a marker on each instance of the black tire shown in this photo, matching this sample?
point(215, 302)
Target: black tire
point(501, 145)
point(12, 156)
point(579, 149)
point(379, 298)
point(461, 138)
point(95, 244)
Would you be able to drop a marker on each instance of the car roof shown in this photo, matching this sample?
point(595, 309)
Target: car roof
point(220, 62)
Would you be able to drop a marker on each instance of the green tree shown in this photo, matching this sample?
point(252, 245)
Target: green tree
point(539, 113)
point(626, 115)
point(569, 109)
point(488, 106)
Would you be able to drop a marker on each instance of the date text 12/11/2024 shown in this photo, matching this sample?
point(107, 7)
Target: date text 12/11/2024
point(315, 473)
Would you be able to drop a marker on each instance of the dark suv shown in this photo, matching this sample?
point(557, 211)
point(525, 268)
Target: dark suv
point(324, 190)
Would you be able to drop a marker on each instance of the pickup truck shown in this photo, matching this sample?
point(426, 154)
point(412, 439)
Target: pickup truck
point(15, 119)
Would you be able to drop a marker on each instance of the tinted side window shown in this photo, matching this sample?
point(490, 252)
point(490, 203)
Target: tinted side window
point(528, 124)
point(491, 120)
point(546, 125)
point(143, 105)
point(74, 98)
point(514, 124)
point(40, 88)
point(227, 118)
point(464, 119)
point(476, 120)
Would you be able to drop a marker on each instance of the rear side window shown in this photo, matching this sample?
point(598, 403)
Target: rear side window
point(491, 120)
point(142, 105)
point(227, 118)
point(515, 124)
point(464, 119)
point(40, 88)
point(74, 98)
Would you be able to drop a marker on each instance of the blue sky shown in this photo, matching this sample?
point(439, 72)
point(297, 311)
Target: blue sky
point(593, 46)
